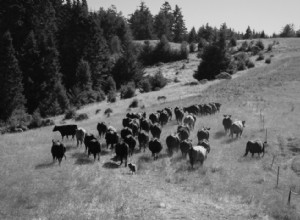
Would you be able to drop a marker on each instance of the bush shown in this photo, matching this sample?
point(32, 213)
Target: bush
point(108, 111)
point(244, 47)
point(81, 117)
point(112, 96)
point(193, 47)
point(233, 42)
point(19, 118)
point(255, 50)
point(232, 67)
point(145, 85)
point(241, 61)
point(134, 104)
point(158, 81)
point(270, 47)
point(260, 56)
point(127, 91)
point(260, 44)
point(250, 64)
point(36, 121)
point(184, 50)
point(268, 60)
point(70, 114)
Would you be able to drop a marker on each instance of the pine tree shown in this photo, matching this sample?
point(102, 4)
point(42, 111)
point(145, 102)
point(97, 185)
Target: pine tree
point(192, 36)
point(248, 34)
point(141, 23)
point(179, 29)
point(163, 22)
point(11, 87)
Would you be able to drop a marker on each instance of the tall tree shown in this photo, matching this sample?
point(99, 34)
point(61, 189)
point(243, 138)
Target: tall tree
point(11, 87)
point(163, 21)
point(193, 36)
point(248, 33)
point(141, 23)
point(179, 29)
point(288, 31)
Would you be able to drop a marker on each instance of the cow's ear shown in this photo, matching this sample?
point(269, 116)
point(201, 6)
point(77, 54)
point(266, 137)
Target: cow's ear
point(224, 116)
point(229, 116)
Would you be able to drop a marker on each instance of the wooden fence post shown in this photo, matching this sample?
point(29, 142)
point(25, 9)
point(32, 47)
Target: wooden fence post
point(289, 199)
point(273, 161)
point(277, 176)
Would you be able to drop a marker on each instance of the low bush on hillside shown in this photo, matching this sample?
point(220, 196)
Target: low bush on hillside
point(70, 114)
point(145, 85)
point(134, 103)
point(193, 47)
point(250, 64)
point(108, 111)
point(81, 117)
point(268, 60)
point(111, 96)
point(158, 81)
point(244, 47)
point(270, 47)
point(127, 91)
point(260, 57)
point(260, 44)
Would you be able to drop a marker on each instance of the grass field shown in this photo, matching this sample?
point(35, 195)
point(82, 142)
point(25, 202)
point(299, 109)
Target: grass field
point(227, 186)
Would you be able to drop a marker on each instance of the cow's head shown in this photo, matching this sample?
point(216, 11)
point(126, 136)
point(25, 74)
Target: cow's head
point(55, 128)
point(243, 122)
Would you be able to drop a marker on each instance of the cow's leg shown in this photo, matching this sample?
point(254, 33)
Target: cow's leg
point(252, 154)
point(98, 156)
point(121, 160)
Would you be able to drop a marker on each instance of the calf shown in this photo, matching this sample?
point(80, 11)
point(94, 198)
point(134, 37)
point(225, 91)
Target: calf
point(227, 122)
point(185, 147)
point(102, 128)
point(58, 151)
point(80, 134)
point(203, 134)
point(132, 167)
point(237, 128)
point(94, 148)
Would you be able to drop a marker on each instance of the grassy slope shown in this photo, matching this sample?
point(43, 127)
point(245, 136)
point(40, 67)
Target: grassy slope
point(228, 186)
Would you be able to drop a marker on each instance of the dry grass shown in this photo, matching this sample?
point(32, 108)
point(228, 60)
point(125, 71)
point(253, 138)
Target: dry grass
point(228, 185)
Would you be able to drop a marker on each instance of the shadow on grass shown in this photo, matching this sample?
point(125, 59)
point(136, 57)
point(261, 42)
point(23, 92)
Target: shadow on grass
point(219, 134)
point(81, 158)
point(44, 165)
point(110, 165)
point(229, 140)
point(105, 152)
point(70, 147)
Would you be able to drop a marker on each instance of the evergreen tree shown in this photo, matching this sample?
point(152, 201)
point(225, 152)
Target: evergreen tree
point(248, 34)
point(11, 87)
point(192, 36)
point(163, 22)
point(179, 30)
point(141, 23)
point(288, 31)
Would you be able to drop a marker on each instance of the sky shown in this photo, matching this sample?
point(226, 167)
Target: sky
point(268, 15)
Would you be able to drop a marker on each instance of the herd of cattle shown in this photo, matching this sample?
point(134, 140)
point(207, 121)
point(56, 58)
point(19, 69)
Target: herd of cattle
point(137, 128)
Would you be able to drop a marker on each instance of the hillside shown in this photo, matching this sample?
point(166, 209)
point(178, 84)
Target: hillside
point(228, 186)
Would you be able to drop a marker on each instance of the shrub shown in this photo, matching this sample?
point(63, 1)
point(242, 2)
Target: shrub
point(134, 104)
point(70, 113)
point(255, 50)
point(260, 56)
point(127, 91)
point(250, 64)
point(36, 121)
point(176, 80)
point(241, 61)
point(233, 42)
point(244, 46)
point(241, 65)
point(112, 96)
point(108, 111)
point(81, 117)
point(193, 47)
point(260, 44)
point(268, 60)
point(158, 81)
point(145, 85)
point(232, 67)
point(270, 47)
point(184, 50)
point(19, 118)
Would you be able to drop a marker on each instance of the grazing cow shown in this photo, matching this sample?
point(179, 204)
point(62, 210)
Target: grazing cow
point(172, 142)
point(163, 118)
point(126, 122)
point(155, 131)
point(154, 117)
point(161, 98)
point(129, 139)
point(169, 111)
point(132, 167)
point(80, 134)
point(155, 147)
point(134, 115)
point(179, 114)
point(189, 120)
point(87, 138)
point(197, 153)
point(227, 122)
point(143, 139)
point(66, 130)
point(213, 107)
point(255, 147)
point(185, 146)
point(94, 148)
point(205, 143)
point(135, 127)
point(201, 109)
point(122, 150)
point(207, 110)
point(145, 124)
point(125, 131)
point(111, 138)
point(102, 128)
point(237, 128)
point(58, 151)
point(183, 132)
point(203, 133)
point(193, 109)
point(218, 105)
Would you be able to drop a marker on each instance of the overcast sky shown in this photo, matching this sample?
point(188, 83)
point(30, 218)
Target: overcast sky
point(267, 15)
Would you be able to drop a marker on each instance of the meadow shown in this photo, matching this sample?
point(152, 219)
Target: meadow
point(227, 186)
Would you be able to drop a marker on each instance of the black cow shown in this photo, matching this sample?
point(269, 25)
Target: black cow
point(227, 122)
point(207, 109)
point(218, 105)
point(179, 114)
point(129, 139)
point(213, 107)
point(88, 137)
point(126, 122)
point(203, 134)
point(172, 142)
point(194, 109)
point(255, 147)
point(94, 148)
point(122, 150)
point(58, 151)
point(66, 130)
point(155, 147)
point(155, 130)
point(183, 132)
point(154, 117)
point(145, 125)
point(111, 138)
point(169, 111)
point(185, 146)
point(163, 118)
point(143, 139)
point(125, 131)
point(135, 127)
point(102, 128)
